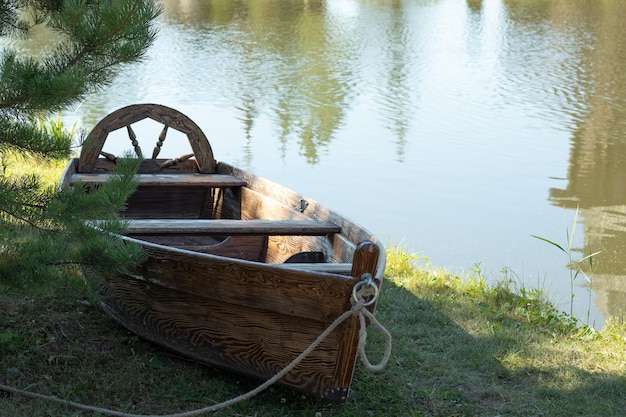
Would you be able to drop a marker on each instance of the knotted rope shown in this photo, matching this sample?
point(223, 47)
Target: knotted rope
point(362, 289)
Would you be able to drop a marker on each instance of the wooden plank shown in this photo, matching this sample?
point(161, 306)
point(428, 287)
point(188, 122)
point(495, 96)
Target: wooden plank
point(250, 248)
point(231, 227)
point(150, 202)
point(338, 268)
point(366, 261)
point(255, 342)
point(305, 294)
point(281, 248)
point(288, 198)
point(179, 180)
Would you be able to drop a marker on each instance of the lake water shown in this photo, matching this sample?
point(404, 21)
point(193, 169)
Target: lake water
point(457, 129)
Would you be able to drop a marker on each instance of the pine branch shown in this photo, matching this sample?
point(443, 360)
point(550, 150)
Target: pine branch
point(97, 44)
point(70, 240)
point(31, 137)
point(112, 35)
point(44, 232)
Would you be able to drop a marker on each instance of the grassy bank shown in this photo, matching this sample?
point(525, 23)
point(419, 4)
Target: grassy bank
point(460, 348)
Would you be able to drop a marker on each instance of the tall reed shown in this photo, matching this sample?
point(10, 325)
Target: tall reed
point(575, 267)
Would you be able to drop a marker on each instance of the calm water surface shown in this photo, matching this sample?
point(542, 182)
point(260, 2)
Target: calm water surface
point(455, 128)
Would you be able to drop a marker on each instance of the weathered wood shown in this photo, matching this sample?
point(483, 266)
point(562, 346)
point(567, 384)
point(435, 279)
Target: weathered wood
point(281, 248)
point(286, 198)
point(66, 176)
point(126, 116)
point(366, 260)
point(249, 340)
point(148, 166)
point(179, 180)
point(250, 248)
point(159, 143)
point(166, 202)
point(230, 227)
point(335, 268)
point(175, 161)
point(133, 139)
point(247, 319)
point(214, 286)
point(315, 295)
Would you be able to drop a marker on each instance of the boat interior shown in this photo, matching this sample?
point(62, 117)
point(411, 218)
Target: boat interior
point(196, 203)
point(220, 214)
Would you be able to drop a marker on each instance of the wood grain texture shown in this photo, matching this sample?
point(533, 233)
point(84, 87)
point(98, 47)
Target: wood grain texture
point(166, 202)
point(244, 316)
point(305, 294)
point(286, 198)
point(250, 248)
point(365, 263)
point(281, 248)
point(245, 339)
point(178, 180)
point(338, 268)
point(231, 227)
point(215, 287)
point(126, 116)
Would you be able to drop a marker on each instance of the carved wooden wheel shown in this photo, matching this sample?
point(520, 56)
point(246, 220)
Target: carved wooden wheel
point(167, 116)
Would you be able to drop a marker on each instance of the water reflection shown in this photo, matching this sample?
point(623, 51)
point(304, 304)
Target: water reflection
point(289, 61)
point(398, 91)
point(596, 178)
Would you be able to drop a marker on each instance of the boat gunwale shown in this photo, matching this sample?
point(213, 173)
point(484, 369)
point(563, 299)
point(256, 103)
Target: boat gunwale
point(255, 264)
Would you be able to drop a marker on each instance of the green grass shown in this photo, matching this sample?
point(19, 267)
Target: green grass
point(49, 172)
point(460, 348)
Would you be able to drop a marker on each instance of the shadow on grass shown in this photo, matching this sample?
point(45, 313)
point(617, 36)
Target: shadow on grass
point(72, 350)
point(436, 368)
point(439, 369)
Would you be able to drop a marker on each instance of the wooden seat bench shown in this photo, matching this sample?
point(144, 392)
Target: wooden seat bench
point(179, 180)
point(335, 268)
point(231, 227)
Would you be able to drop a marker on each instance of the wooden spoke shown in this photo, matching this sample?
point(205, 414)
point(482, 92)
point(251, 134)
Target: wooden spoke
point(174, 161)
point(109, 156)
point(133, 139)
point(159, 144)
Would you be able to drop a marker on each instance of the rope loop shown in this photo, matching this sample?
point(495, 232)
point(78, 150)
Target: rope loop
point(362, 290)
point(366, 288)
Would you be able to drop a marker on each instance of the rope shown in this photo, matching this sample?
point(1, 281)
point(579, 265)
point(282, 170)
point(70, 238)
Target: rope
point(358, 308)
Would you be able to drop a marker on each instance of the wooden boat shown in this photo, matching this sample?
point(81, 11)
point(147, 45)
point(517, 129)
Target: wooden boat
point(241, 273)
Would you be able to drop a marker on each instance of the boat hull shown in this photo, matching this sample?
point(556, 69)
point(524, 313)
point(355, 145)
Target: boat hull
point(244, 317)
point(241, 273)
